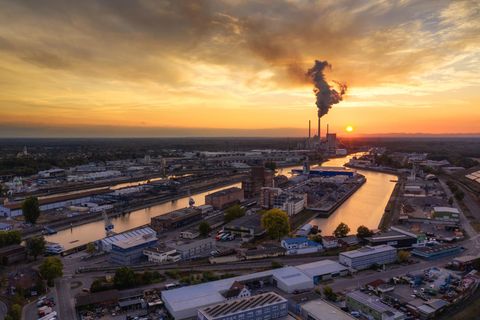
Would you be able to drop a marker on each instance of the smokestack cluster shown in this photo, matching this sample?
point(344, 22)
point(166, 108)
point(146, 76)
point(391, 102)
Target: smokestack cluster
point(325, 94)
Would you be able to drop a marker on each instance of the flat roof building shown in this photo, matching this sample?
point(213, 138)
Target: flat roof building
point(437, 251)
point(323, 270)
point(365, 257)
point(322, 310)
point(105, 244)
point(224, 198)
point(130, 251)
point(372, 306)
point(175, 219)
point(259, 307)
point(183, 303)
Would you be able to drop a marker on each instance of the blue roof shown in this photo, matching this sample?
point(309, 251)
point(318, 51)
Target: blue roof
point(297, 240)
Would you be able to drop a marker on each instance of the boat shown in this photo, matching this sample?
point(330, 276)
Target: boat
point(52, 248)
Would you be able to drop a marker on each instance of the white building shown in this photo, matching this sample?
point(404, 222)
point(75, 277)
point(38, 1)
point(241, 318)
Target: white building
point(322, 310)
point(155, 255)
point(365, 257)
point(105, 244)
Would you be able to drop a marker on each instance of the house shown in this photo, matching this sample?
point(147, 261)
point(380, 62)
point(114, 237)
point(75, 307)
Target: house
point(300, 245)
point(329, 242)
point(236, 291)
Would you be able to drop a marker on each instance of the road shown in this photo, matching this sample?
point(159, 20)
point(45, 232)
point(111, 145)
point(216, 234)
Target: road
point(65, 304)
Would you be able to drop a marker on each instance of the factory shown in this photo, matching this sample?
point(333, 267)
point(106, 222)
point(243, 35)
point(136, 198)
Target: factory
point(106, 244)
point(183, 303)
point(366, 257)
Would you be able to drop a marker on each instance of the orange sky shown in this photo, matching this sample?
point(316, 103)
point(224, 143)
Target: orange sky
point(74, 68)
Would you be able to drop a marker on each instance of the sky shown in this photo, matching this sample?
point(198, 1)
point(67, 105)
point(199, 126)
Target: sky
point(89, 68)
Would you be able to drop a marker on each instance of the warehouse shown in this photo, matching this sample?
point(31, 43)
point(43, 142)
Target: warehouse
point(323, 270)
point(130, 251)
point(106, 243)
point(366, 257)
point(224, 198)
point(264, 306)
point(176, 219)
point(183, 303)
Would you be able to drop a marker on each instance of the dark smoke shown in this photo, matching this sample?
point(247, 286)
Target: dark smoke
point(326, 95)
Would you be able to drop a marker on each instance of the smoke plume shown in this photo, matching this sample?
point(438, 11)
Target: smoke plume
point(325, 94)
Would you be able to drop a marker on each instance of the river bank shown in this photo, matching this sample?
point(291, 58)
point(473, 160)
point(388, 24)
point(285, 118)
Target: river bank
point(89, 218)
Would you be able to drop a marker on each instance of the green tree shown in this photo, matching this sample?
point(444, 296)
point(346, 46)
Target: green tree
point(10, 237)
point(329, 294)
point(124, 278)
point(234, 212)
point(204, 228)
point(276, 223)
point(403, 256)
point(91, 248)
point(36, 246)
point(50, 269)
point(31, 209)
point(364, 232)
point(15, 312)
point(341, 231)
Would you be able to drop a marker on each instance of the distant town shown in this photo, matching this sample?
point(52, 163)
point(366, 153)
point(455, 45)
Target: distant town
point(327, 229)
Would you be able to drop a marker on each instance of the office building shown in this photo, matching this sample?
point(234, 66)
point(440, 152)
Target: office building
point(366, 257)
point(224, 198)
point(259, 307)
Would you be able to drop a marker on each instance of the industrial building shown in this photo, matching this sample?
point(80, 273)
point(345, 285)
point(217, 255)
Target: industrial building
point(176, 219)
point(224, 198)
point(372, 306)
point(392, 238)
point(259, 307)
point(436, 251)
point(368, 256)
point(321, 310)
point(157, 255)
point(105, 244)
point(130, 251)
point(323, 270)
point(195, 249)
point(248, 226)
point(290, 202)
point(327, 172)
point(183, 303)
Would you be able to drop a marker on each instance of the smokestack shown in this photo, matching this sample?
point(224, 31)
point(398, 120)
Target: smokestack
point(327, 131)
point(318, 130)
point(309, 130)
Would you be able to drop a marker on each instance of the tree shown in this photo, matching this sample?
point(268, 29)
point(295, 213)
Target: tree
point(341, 231)
point(10, 237)
point(31, 209)
point(50, 269)
point(15, 312)
point(403, 256)
point(329, 294)
point(35, 246)
point(276, 222)
point(91, 248)
point(234, 212)
point(364, 232)
point(204, 228)
point(124, 278)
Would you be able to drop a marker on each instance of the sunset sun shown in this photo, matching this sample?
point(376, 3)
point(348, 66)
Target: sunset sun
point(349, 129)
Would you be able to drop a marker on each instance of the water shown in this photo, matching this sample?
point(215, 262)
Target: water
point(92, 231)
point(364, 207)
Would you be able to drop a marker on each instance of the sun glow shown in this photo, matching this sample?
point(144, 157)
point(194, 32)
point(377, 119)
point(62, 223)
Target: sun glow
point(349, 129)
